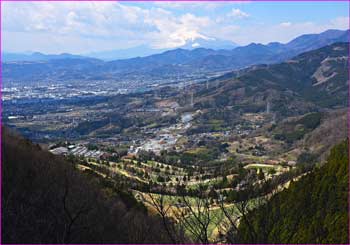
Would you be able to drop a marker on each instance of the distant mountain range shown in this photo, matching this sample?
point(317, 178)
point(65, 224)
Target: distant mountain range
point(109, 55)
point(308, 82)
point(138, 51)
point(37, 56)
point(144, 50)
point(274, 52)
point(210, 43)
point(180, 61)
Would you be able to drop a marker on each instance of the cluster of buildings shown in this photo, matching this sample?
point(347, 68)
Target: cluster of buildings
point(48, 90)
point(157, 144)
point(79, 151)
point(165, 138)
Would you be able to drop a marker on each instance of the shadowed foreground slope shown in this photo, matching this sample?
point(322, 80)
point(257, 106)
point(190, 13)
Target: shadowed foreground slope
point(46, 200)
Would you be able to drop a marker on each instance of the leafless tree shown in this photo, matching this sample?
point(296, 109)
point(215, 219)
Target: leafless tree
point(158, 202)
point(191, 214)
point(194, 215)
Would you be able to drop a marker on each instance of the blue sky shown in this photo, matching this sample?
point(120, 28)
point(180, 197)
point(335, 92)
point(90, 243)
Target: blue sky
point(83, 27)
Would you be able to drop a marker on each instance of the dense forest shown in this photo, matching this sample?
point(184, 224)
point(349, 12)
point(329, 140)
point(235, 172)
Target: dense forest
point(45, 199)
point(312, 210)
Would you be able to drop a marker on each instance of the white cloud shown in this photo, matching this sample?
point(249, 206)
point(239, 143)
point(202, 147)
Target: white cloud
point(173, 32)
point(285, 24)
point(91, 26)
point(340, 22)
point(283, 32)
point(237, 13)
point(195, 45)
point(104, 20)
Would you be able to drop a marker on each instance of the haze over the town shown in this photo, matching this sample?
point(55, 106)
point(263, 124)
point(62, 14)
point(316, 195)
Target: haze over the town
point(85, 27)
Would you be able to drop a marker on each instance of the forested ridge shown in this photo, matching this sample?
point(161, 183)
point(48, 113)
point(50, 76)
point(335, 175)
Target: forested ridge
point(312, 210)
point(45, 199)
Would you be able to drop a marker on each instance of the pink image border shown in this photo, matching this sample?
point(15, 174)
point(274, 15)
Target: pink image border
point(222, 1)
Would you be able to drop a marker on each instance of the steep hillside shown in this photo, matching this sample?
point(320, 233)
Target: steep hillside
point(45, 199)
point(308, 82)
point(313, 209)
point(331, 131)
